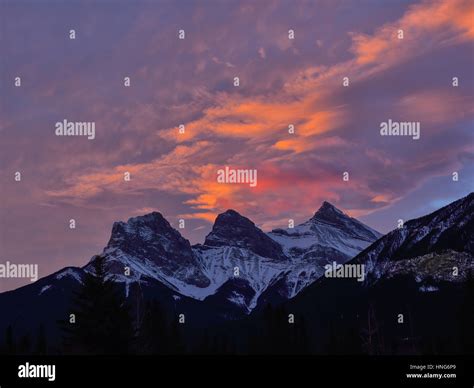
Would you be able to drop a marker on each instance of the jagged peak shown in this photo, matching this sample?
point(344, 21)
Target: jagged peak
point(232, 216)
point(233, 229)
point(231, 213)
point(153, 216)
point(153, 220)
point(327, 209)
point(146, 226)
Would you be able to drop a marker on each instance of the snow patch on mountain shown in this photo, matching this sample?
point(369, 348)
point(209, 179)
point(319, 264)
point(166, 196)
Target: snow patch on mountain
point(428, 247)
point(328, 228)
point(44, 288)
point(71, 272)
point(237, 260)
point(449, 266)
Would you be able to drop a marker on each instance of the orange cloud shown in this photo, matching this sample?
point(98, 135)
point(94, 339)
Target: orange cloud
point(444, 21)
point(173, 172)
point(383, 198)
point(210, 217)
point(296, 145)
point(260, 121)
point(301, 101)
point(455, 14)
point(368, 49)
point(261, 124)
point(436, 107)
point(299, 144)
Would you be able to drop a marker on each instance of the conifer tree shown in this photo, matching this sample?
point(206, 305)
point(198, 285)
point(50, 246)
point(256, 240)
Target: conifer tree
point(102, 319)
point(466, 316)
point(176, 338)
point(24, 345)
point(10, 347)
point(153, 337)
point(41, 346)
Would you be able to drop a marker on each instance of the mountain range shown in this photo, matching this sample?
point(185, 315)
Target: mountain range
point(239, 268)
point(416, 297)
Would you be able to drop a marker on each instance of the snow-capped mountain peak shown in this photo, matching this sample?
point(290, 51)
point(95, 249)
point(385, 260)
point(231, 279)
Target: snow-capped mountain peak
point(326, 210)
point(450, 228)
point(233, 229)
point(329, 228)
point(143, 228)
point(294, 258)
point(329, 214)
point(238, 265)
point(151, 247)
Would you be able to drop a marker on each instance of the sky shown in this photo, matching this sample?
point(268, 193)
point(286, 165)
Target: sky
point(190, 81)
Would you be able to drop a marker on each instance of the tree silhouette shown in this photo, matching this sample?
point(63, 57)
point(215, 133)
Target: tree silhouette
point(41, 345)
point(466, 316)
point(277, 335)
point(372, 338)
point(24, 345)
point(176, 338)
point(10, 347)
point(332, 344)
point(102, 320)
point(153, 336)
point(204, 346)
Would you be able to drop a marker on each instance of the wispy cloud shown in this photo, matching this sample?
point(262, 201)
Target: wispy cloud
point(283, 82)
